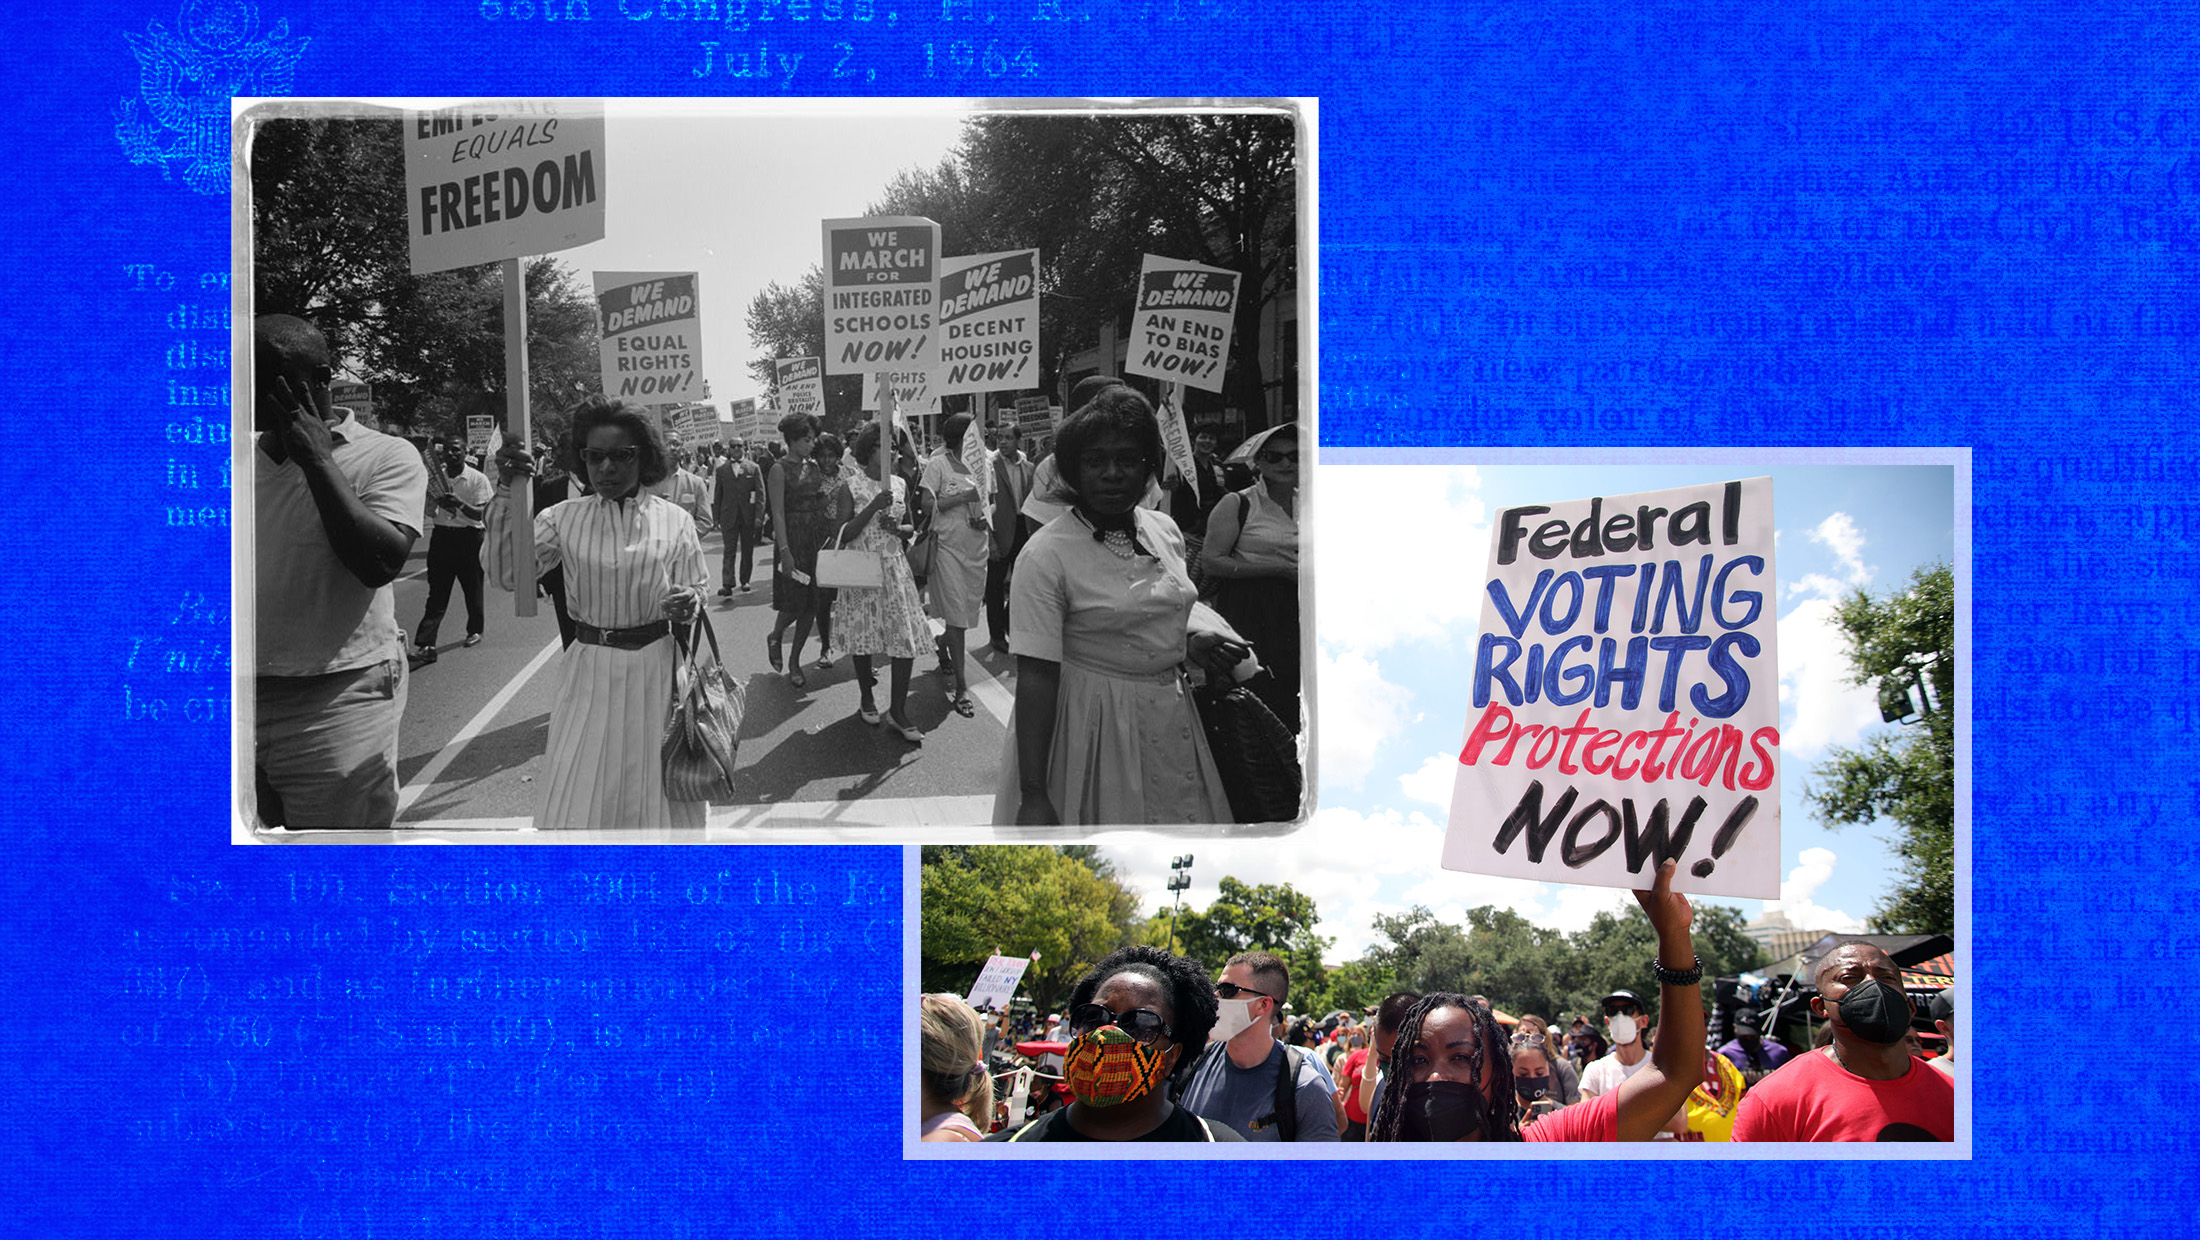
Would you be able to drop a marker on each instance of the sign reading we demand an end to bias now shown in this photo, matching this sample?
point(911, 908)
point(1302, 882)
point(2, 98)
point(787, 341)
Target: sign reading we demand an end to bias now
point(1181, 327)
point(1626, 700)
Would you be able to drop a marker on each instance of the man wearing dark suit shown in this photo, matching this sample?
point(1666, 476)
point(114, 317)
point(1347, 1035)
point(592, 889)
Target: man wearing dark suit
point(736, 504)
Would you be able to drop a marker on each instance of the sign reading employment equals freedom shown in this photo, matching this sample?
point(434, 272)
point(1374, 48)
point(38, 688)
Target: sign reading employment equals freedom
point(652, 336)
point(881, 294)
point(1626, 700)
point(502, 179)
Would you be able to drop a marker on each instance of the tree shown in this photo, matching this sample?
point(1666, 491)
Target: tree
point(1017, 900)
point(1903, 643)
point(329, 231)
point(1270, 917)
point(790, 322)
point(1094, 193)
point(1614, 952)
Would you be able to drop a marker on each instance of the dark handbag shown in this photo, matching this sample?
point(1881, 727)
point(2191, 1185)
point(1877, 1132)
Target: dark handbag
point(703, 728)
point(920, 554)
point(1256, 755)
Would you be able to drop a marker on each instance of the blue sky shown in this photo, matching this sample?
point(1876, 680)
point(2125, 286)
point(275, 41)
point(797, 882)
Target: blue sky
point(1398, 556)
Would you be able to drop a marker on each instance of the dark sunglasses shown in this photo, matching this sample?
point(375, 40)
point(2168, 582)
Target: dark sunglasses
point(1231, 990)
point(1279, 458)
point(1143, 1024)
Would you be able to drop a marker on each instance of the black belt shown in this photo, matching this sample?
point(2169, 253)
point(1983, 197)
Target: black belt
point(622, 639)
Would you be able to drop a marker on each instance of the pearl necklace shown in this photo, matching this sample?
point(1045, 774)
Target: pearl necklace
point(1118, 543)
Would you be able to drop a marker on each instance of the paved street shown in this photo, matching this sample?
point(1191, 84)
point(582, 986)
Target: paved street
point(477, 721)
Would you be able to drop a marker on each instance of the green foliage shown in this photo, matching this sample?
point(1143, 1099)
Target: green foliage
point(975, 901)
point(1270, 917)
point(329, 245)
point(1526, 969)
point(1906, 777)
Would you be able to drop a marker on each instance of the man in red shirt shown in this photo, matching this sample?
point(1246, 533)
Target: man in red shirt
point(1866, 1086)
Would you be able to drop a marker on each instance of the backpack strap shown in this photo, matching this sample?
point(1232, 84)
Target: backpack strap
point(1287, 1101)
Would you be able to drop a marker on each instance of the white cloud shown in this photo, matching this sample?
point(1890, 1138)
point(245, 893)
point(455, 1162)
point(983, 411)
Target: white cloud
point(1400, 551)
point(1817, 585)
point(1814, 680)
point(1815, 868)
point(1838, 534)
point(1361, 712)
point(1433, 782)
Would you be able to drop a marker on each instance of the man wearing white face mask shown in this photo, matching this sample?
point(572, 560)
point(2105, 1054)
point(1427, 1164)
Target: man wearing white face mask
point(1624, 1020)
point(1247, 1079)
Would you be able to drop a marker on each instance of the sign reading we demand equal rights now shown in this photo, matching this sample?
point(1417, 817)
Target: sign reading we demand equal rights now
point(651, 345)
point(1627, 695)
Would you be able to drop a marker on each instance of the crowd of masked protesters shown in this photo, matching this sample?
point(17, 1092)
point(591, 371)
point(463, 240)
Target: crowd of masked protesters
point(1149, 1047)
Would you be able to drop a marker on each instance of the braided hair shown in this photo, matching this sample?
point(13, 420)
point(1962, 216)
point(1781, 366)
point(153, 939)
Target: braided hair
point(1489, 1051)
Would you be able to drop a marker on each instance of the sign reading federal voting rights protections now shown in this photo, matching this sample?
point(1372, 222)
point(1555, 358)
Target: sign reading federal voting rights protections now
point(1627, 695)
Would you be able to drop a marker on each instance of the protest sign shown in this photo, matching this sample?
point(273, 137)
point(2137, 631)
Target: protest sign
point(357, 397)
point(746, 422)
point(481, 431)
point(1181, 329)
point(913, 392)
point(881, 294)
point(1033, 415)
point(801, 386)
point(1176, 438)
point(502, 179)
point(1626, 695)
point(652, 329)
point(997, 981)
point(989, 322)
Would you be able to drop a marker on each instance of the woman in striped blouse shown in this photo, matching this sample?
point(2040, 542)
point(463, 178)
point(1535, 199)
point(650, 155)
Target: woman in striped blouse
point(633, 567)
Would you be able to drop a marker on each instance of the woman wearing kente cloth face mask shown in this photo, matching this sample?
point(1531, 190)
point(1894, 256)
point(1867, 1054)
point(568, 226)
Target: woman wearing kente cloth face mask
point(1100, 607)
point(1454, 1068)
point(1129, 1022)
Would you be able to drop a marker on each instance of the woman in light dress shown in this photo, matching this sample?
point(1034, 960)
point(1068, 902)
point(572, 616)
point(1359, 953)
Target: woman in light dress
point(957, 584)
point(887, 622)
point(1104, 730)
point(633, 567)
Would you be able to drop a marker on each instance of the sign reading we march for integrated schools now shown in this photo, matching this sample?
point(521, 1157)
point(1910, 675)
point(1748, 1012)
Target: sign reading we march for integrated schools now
point(996, 983)
point(502, 179)
point(652, 346)
point(881, 294)
point(1181, 330)
point(1626, 703)
point(989, 323)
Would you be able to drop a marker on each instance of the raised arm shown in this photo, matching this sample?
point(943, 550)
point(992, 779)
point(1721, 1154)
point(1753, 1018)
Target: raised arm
point(1649, 1098)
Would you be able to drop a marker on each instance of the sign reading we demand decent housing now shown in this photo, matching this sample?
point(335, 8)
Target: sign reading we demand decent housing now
point(1627, 695)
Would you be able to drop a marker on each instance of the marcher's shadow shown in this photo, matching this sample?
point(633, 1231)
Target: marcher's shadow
point(846, 747)
point(487, 756)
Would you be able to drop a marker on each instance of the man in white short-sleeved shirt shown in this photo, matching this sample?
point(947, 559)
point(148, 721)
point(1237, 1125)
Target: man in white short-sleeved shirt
point(336, 510)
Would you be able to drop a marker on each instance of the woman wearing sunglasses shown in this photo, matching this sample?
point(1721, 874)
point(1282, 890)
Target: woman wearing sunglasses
point(633, 567)
point(1455, 1067)
point(1130, 1020)
point(1251, 558)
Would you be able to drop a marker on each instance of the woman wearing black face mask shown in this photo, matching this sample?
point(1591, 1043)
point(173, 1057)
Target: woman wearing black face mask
point(1130, 1022)
point(1536, 1090)
point(1455, 1069)
point(1865, 1086)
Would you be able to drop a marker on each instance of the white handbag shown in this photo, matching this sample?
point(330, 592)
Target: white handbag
point(839, 569)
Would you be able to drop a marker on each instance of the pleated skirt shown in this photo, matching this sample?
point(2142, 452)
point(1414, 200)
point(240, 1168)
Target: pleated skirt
point(602, 767)
point(1127, 752)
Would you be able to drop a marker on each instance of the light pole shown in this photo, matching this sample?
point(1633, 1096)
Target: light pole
point(1180, 880)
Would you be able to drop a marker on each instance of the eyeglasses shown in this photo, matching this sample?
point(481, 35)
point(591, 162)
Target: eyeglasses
point(1231, 990)
point(614, 456)
point(1527, 1039)
point(1279, 458)
point(1143, 1024)
point(1101, 462)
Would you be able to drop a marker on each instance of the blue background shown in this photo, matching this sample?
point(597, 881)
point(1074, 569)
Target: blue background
point(1793, 225)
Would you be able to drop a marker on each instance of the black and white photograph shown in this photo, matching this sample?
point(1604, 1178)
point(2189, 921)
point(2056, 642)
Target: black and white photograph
point(883, 471)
